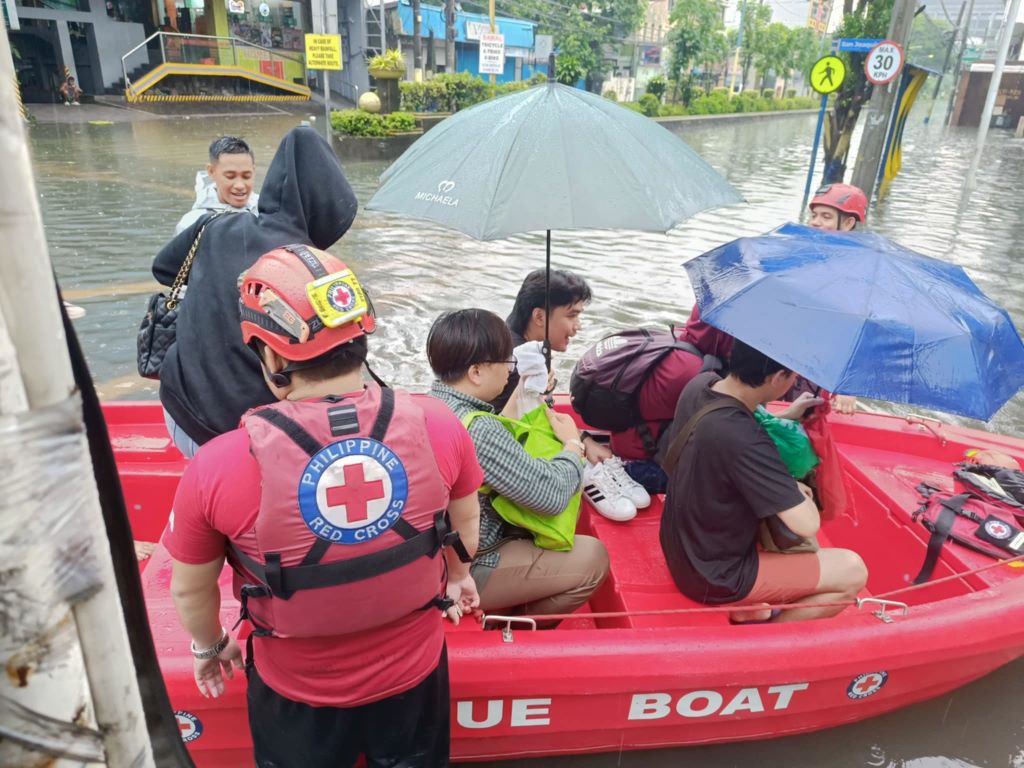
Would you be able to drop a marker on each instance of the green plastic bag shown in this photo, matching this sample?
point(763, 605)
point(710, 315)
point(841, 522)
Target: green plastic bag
point(792, 441)
point(533, 432)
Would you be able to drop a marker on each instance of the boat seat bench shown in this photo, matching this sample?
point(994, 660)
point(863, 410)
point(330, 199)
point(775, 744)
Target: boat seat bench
point(639, 579)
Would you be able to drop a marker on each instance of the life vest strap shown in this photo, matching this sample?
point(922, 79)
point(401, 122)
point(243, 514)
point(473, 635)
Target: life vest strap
point(284, 581)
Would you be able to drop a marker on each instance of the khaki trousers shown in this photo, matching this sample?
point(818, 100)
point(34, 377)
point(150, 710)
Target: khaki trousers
point(532, 581)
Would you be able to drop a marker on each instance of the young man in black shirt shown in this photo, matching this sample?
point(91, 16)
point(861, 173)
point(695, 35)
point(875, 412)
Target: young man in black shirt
point(727, 478)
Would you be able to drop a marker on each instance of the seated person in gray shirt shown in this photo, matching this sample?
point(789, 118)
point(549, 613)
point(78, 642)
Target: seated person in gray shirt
point(470, 352)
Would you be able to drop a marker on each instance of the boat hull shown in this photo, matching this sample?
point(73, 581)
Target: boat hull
point(651, 669)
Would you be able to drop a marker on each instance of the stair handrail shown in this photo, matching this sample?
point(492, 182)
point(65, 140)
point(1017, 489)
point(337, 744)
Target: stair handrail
point(161, 34)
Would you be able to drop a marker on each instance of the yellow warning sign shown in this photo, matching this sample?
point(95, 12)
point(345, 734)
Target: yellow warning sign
point(827, 74)
point(323, 51)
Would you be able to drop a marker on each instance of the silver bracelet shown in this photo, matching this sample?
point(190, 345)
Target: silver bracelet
point(214, 650)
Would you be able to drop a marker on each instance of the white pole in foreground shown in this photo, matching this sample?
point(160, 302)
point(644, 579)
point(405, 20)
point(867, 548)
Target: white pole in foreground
point(993, 87)
point(31, 323)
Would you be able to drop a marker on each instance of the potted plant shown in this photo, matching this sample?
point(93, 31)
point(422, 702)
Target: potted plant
point(389, 65)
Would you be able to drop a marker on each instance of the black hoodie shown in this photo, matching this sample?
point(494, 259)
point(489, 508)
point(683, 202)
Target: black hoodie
point(209, 377)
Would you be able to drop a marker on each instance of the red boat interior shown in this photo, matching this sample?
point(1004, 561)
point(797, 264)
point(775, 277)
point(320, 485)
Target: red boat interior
point(886, 457)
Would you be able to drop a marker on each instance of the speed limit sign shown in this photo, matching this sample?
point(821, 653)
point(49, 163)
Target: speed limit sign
point(883, 62)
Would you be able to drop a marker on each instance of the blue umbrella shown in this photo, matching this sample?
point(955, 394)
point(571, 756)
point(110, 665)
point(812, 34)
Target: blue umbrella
point(550, 157)
point(862, 315)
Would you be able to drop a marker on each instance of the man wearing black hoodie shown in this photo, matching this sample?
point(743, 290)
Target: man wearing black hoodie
point(209, 378)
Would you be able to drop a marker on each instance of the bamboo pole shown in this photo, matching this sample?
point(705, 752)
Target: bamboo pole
point(33, 326)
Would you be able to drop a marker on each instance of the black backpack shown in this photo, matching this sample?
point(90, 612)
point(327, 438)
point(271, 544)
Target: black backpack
point(607, 378)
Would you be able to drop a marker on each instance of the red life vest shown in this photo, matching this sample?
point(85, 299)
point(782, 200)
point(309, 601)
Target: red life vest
point(351, 521)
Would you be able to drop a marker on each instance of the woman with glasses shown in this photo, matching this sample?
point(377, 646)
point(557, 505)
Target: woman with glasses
point(470, 352)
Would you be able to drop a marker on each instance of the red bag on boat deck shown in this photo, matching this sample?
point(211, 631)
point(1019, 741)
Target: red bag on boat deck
point(834, 490)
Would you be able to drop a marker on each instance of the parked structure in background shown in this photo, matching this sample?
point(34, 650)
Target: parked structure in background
point(360, 29)
point(263, 39)
point(974, 82)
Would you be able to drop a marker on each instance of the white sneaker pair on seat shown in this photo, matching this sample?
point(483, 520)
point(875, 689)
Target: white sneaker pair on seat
point(612, 492)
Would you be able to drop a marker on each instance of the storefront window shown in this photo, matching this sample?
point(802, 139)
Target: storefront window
point(269, 23)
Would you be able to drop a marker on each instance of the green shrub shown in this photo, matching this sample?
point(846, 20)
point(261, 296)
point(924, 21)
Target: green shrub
point(537, 78)
point(790, 93)
point(656, 86)
point(714, 103)
point(720, 89)
point(356, 122)
point(428, 96)
point(513, 87)
point(633, 106)
point(611, 95)
point(649, 105)
point(399, 122)
point(568, 70)
point(672, 110)
point(768, 93)
point(751, 101)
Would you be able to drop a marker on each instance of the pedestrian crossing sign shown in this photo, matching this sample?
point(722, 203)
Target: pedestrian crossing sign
point(828, 74)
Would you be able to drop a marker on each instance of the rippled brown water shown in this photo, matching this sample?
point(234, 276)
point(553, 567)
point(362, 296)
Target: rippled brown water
point(111, 196)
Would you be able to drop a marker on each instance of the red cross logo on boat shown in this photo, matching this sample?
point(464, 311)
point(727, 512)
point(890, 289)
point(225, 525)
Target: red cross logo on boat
point(356, 494)
point(866, 685)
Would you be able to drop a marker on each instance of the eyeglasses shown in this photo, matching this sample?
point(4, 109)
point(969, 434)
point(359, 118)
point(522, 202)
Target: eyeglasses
point(511, 363)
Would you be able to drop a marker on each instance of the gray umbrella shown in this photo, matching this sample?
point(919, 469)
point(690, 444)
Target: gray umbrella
point(550, 157)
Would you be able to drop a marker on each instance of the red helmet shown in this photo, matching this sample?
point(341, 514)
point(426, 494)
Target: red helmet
point(302, 303)
point(845, 198)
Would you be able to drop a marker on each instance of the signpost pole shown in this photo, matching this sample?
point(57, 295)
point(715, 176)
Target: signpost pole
point(814, 148)
point(327, 86)
point(830, 72)
point(490, 9)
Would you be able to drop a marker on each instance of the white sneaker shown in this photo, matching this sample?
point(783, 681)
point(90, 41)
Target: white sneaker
point(605, 495)
point(630, 488)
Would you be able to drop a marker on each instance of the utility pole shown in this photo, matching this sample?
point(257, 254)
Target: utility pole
point(739, 45)
point(870, 155)
point(958, 69)
point(64, 627)
point(417, 44)
point(945, 62)
point(449, 36)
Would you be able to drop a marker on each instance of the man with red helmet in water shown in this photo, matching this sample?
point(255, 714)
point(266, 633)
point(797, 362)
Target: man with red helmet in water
point(839, 207)
point(348, 513)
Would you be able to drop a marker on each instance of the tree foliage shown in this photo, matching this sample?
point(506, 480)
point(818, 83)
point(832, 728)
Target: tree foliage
point(694, 26)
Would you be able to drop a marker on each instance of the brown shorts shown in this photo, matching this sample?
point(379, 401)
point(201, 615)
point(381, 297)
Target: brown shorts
point(783, 578)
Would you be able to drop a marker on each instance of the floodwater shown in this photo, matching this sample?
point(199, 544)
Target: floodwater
point(111, 194)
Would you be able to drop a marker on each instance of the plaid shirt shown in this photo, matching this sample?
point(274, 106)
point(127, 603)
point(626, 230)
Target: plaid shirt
point(543, 485)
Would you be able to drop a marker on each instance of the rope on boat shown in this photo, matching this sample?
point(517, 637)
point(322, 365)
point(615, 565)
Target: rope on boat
point(732, 608)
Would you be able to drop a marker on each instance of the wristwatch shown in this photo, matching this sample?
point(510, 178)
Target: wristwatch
point(214, 650)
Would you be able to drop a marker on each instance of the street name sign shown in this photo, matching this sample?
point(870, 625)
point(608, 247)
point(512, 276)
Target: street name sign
point(883, 62)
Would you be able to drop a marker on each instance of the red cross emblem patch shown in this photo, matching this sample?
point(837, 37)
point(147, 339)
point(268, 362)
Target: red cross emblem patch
point(866, 685)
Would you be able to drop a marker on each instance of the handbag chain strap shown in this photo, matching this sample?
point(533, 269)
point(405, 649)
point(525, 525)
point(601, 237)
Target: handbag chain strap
point(186, 266)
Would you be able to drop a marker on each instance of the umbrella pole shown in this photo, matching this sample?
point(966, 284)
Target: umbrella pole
point(547, 302)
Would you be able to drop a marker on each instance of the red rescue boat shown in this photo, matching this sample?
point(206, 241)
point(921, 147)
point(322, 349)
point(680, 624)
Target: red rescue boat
point(641, 666)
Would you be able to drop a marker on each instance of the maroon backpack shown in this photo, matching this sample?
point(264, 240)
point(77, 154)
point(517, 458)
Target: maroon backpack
point(607, 378)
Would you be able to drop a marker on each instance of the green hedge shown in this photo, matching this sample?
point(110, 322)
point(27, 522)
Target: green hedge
point(356, 122)
point(452, 92)
point(717, 102)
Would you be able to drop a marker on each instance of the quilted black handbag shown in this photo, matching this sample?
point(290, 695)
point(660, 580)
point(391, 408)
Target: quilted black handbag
point(156, 333)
